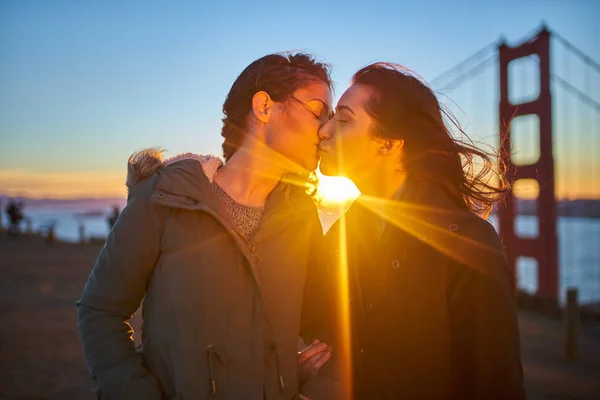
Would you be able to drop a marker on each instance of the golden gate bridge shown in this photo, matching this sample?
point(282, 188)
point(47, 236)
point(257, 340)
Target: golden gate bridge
point(537, 100)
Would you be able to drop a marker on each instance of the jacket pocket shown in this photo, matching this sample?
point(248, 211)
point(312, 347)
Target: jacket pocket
point(198, 372)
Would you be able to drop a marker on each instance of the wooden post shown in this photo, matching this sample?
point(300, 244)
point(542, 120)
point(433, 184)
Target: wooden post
point(1, 212)
point(81, 233)
point(571, 321)
point(50, 237)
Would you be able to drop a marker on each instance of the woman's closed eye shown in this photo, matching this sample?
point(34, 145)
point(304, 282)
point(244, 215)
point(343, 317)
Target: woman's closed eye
point(324, 114)
point(318, 110)
point(340, 119)
point(315, 114)
point(320, 113)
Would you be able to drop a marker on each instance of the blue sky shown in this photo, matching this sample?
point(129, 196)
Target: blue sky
point(85, 83)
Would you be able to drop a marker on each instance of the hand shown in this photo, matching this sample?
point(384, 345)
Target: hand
point(311, 359)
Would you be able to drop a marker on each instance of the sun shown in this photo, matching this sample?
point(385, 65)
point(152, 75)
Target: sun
point(336, 190)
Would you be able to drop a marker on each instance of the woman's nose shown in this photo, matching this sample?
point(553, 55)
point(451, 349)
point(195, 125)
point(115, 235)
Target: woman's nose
point(325, 131)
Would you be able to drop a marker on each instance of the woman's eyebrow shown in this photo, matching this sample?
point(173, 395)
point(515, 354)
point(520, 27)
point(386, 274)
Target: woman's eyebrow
point(342, 107)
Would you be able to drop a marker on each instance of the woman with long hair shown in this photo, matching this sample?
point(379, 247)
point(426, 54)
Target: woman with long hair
point(414, 291)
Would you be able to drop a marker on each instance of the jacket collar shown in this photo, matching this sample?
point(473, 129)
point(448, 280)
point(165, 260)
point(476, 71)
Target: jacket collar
point(423, 211)
point(425, 214)
point(185, 181)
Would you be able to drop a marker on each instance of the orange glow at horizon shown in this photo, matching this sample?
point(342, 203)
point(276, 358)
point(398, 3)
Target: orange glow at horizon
point(62, 185)
point(526, 189)
point(20, 182)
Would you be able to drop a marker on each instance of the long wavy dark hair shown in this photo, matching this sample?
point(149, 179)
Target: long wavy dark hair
point(405, 107)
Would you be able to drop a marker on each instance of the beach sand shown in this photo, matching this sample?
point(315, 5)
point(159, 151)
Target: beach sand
point(41, 356)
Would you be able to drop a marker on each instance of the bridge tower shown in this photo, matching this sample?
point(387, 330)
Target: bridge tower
point(544, 247)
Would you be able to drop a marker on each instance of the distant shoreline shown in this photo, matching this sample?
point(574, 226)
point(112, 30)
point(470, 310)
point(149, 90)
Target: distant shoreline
point(587, 208)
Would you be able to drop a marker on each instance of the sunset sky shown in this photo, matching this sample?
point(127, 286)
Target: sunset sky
point(83, 84)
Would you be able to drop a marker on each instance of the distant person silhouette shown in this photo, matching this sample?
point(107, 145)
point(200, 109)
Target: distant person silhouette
point(14, 210)
point(112, 219)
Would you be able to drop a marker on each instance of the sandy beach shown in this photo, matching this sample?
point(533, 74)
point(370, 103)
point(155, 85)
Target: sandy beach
point(41, 356)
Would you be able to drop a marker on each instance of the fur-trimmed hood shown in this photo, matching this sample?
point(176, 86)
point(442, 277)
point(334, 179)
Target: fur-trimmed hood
point(185, 181)
point(143, 164)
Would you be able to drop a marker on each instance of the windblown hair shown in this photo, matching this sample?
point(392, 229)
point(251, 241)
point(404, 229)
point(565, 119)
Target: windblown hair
point(405, 107)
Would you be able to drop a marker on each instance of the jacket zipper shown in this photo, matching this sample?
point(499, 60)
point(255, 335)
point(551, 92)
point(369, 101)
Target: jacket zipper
point(280, 379)
point(241, 242)
point(210, 350)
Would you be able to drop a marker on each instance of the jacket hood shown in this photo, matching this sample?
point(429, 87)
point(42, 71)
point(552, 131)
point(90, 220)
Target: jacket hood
point(185, 181)
point(143, 164)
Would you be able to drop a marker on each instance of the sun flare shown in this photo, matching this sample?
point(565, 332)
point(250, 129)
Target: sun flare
point(336, 190)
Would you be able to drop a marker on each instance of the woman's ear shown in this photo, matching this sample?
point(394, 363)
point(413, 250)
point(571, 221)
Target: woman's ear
point(391, 147)
point(261, 106)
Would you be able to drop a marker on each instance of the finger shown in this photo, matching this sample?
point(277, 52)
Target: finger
point(321, 361)
point(309, 368)
point(311, 362)
point(312, 351)
point(315, 342)
point(308, 353)
point(314, 369)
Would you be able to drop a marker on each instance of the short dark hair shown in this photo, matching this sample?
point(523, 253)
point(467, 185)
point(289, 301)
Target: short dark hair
point(280, 75)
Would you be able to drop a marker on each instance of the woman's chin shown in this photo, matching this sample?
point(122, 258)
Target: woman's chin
point(328, 168)
point(304, 166)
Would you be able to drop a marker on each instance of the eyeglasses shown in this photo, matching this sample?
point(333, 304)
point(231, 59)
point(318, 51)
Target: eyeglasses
point(321, 118)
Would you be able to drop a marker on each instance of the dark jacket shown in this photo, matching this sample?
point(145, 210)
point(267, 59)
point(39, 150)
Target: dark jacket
point(431, 303)
point(220, 315)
